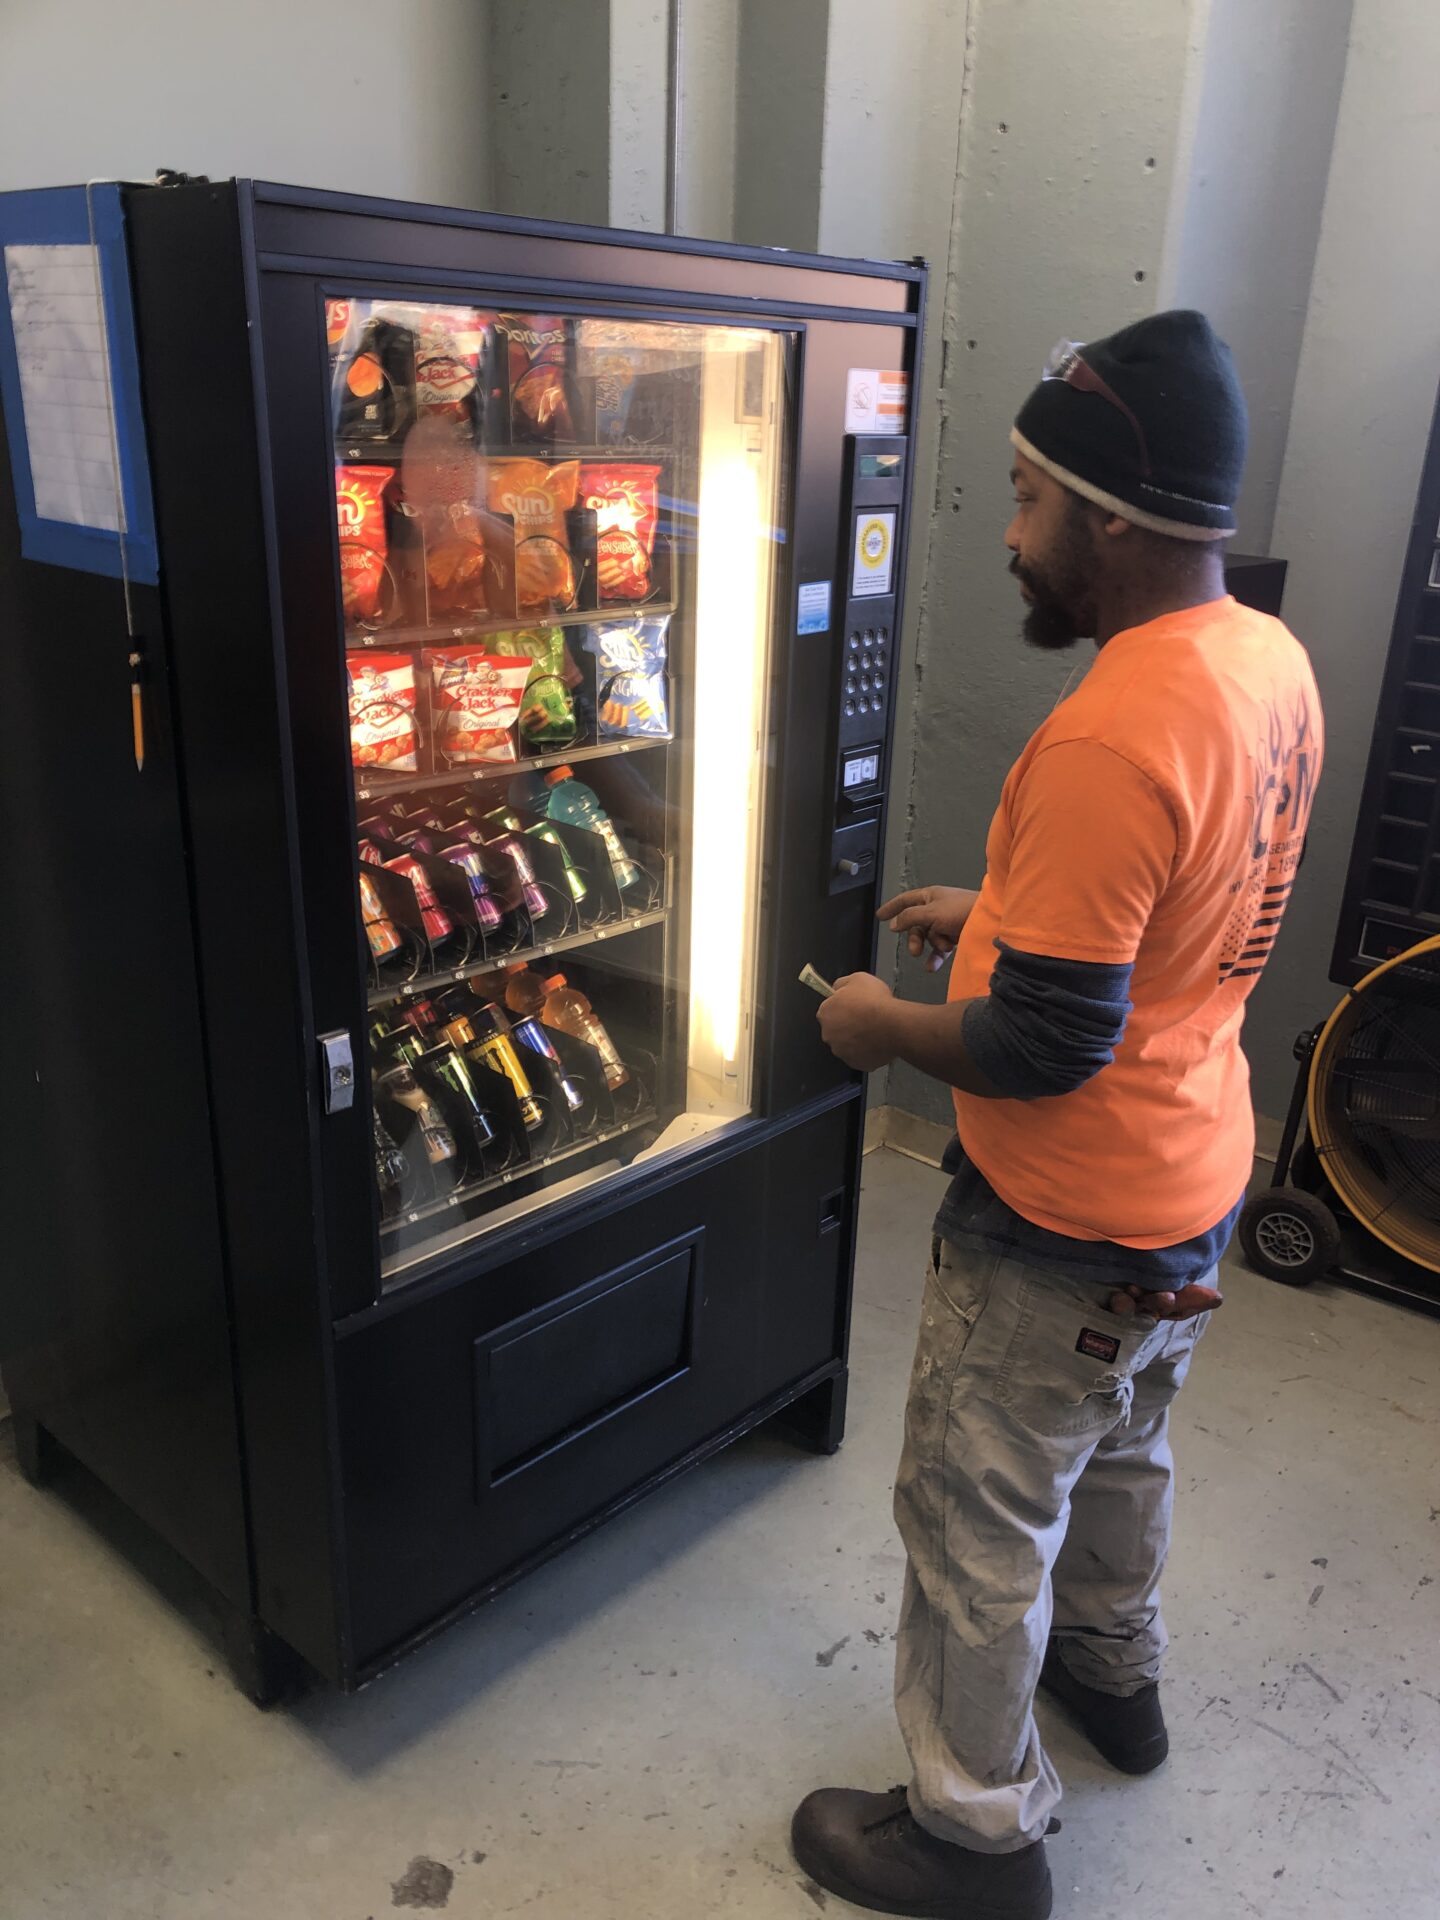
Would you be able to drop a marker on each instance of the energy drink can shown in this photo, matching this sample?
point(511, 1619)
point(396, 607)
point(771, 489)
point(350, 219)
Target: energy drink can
point(380, 932)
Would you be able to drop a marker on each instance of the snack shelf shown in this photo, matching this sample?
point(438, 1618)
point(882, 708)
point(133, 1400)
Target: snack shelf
point(391, 453)
point(474, 1188)
point(443, 636)
point(371, 783)
point(428, 983)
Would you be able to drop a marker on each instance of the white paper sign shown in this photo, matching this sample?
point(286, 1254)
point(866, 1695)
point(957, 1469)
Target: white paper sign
point(875, 400)
point(60, 345)
point(874, 553)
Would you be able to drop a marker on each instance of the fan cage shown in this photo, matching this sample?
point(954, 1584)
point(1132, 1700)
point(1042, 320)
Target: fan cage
point(1374, 1103)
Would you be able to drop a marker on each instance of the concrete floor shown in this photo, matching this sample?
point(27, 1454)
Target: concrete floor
point(624, 1735)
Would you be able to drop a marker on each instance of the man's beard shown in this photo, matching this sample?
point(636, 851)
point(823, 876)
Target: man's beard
point(1057, 616)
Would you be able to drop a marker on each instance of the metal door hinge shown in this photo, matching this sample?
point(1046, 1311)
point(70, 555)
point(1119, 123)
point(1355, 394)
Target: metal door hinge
point(337, 1070)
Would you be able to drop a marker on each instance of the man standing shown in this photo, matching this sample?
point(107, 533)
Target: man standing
point(1137, 869)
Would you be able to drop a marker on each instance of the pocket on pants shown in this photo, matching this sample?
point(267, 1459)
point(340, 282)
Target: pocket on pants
point(1070, 1366)
point(956, 1288)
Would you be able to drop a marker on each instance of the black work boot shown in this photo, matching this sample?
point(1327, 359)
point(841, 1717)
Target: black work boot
point(1127, 1730)
point(870, 1849)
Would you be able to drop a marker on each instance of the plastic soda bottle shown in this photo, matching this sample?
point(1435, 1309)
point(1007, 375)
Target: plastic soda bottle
point(574, 803)
point(567, 1009)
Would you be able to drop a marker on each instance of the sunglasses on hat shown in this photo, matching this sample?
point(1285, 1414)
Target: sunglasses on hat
point(1064, 362)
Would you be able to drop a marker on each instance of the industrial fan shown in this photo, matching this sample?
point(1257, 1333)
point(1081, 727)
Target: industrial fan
point(1361, 1146)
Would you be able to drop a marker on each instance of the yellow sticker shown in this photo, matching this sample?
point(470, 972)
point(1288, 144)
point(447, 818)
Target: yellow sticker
point(874, 555)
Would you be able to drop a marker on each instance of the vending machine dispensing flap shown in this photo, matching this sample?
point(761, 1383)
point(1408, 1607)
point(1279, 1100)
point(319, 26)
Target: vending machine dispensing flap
point(874, 493)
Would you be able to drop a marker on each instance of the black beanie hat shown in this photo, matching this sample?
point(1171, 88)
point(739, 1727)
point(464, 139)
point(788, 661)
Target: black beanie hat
point(1165, 446)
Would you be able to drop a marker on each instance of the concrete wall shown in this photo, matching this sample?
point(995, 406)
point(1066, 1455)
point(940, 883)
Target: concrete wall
point(639, 88)
point(1363, 401)
point(548, 71)
point(1060, 206)
point(780, 122)
point(1251, 186)
point(709, 61)
point(361, 96)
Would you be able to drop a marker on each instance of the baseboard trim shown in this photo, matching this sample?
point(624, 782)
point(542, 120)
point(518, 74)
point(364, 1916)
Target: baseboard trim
point(907, 1133)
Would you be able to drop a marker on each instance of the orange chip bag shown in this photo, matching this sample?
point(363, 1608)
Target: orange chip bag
point(537, 497)
point(623, 497)
point(383, 727)
point(477, 703)
point(365, 585)
point(455, 560)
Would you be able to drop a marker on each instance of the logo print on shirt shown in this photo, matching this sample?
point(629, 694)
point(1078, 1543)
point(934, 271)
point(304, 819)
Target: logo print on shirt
point(1285, 766)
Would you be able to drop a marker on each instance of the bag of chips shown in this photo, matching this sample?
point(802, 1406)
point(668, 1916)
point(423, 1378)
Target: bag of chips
point(366, 586)
point(449, 350)
point(623, 497)
point(631, 693)
point(384, 731)
point(337, 325)
point(455, 559)
point(538, 354)
point(376, 395)
point(477, 703)
point(537, 498)
point(547, 710)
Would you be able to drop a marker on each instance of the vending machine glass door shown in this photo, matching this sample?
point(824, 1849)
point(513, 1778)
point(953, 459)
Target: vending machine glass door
point(557, 544)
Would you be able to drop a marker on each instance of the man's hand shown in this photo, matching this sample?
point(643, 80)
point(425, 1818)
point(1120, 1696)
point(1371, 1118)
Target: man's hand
point(855, 1022)
point(929, 914)
point(1184, 1304)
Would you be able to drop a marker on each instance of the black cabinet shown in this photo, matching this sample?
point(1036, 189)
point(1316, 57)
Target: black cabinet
point(1392, 888)
point(428, 1144)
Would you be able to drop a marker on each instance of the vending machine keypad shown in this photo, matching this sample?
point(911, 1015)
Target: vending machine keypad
point(870, 563)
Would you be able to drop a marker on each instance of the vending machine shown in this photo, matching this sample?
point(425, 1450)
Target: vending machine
point(450, 674)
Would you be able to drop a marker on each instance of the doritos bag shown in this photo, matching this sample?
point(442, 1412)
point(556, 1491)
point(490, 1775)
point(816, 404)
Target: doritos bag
point(537, 347)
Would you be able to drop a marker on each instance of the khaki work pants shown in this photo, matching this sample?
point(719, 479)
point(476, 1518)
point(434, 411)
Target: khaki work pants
point(1034, 1497)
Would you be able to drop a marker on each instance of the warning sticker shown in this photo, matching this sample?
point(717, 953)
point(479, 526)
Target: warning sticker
point(875, 400)
point(874, 554)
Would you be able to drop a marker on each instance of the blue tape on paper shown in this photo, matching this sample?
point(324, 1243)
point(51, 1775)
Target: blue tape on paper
point(60, 383)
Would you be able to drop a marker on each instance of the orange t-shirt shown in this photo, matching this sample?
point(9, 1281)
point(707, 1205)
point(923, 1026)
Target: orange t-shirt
point(1156, 819)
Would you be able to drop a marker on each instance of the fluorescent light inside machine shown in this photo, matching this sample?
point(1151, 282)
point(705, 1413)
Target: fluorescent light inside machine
point(729, 654)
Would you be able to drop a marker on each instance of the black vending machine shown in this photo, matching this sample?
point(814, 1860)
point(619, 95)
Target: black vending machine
point(449, 678)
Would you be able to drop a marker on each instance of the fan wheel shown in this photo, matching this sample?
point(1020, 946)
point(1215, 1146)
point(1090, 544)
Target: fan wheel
point(1289, 1235)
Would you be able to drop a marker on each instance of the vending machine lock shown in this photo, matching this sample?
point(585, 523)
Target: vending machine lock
point(337, 1071)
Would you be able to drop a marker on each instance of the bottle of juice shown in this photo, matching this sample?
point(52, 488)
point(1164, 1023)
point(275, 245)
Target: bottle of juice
point(567, 1009)
point(574, 803)
point(524, 990)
